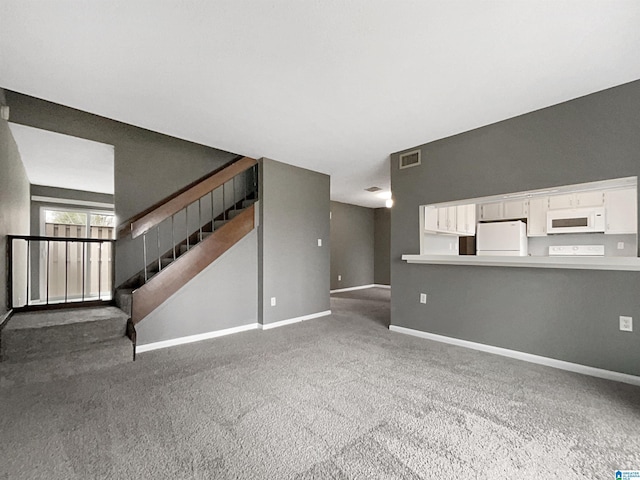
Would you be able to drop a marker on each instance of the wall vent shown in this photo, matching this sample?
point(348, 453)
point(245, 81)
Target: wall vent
point(410, 159)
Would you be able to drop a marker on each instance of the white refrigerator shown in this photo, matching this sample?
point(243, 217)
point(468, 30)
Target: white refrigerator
point(502, 239)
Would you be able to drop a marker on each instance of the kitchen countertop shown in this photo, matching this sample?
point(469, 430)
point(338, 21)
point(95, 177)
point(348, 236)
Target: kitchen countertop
point(580, 263)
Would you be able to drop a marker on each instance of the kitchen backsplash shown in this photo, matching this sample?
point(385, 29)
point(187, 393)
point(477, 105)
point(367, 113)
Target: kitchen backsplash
point(539, 246)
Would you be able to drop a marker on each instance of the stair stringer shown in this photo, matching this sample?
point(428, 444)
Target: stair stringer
point(168, 281)
point(223, 296)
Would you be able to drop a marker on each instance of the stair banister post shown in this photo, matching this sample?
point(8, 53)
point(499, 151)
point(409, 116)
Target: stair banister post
point(200, 219)
point(144, 255)
point(173, 237)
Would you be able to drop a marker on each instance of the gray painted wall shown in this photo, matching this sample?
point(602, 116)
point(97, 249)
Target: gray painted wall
point(382, 246)
point(570, 315)
point(294, 214)
point(14, 205)
point(224, 295)
point(148, 166)
point(352, 245)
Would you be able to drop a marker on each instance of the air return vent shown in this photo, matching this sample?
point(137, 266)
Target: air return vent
point(410, 159)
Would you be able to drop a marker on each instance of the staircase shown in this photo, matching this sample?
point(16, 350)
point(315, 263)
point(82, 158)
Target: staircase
point(223, 207)
point(54, 344)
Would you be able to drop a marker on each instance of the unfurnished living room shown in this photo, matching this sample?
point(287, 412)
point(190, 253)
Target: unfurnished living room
point(276, 239)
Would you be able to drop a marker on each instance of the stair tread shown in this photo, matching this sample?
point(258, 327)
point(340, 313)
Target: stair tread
point(53, 318)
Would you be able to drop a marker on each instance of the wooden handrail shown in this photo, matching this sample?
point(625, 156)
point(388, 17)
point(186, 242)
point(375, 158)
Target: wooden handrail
point(180, 199)
point(168, 281)
point(124, 229)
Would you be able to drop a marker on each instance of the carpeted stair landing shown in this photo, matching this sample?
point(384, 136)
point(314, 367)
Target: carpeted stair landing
point(45, 345)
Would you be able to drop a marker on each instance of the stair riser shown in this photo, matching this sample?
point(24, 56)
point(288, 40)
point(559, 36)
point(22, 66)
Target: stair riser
point(123, 301)
point(44, 342)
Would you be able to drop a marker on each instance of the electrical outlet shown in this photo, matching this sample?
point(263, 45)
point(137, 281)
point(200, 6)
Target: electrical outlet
point(319, 242)
point(620, 245)
point(423, 298)
point(273, 301)
point(626, 324)
point(339, 277)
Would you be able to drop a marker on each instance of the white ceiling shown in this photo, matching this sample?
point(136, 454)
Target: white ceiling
point(62, 161)
point(330, 85)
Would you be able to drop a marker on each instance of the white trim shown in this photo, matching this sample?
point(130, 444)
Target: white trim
point(360, 287)
point(289, 321)
point(68, 201)
point(527, 357)
point(580, 263)
point(194, 338)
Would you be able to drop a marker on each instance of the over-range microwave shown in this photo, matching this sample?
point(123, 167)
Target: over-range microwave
point(576, 220)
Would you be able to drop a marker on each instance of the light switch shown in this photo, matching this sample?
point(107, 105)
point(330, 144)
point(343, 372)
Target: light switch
point(319, 242)
point(626, 323)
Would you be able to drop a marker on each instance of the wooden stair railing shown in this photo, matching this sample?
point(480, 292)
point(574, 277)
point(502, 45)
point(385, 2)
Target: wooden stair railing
point(159, 212)
point(168, 281)
point(153, 287)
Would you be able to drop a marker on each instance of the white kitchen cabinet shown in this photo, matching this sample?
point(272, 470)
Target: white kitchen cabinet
point(577, 200)
point(431, 219)
point(560, 201)
point(466, 219)
point(453, 220)
point(447, 219)
point(621, 211)
point(537, 219)
point(589, 199)
point(515, 209)
point(491, 211)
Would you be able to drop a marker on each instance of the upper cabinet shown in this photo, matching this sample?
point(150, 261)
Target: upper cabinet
point(507, 210)
point(621, 211)
point(453, 220)
point(466, 219)
point(515, 209)
point(491, 211)
point(576, 200)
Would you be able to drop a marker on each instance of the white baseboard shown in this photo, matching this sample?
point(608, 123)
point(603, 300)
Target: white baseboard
point(194, 338)
point(360, 287)
point(527, 357)
point(289, 321)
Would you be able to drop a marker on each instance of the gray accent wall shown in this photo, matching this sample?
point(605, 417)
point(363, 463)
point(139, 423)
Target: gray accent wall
point(569, 315)
point(352, 245)
point(294, 214)
point(224, 295)
point(14, 205)
point(149, 166)
point(382, 246)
